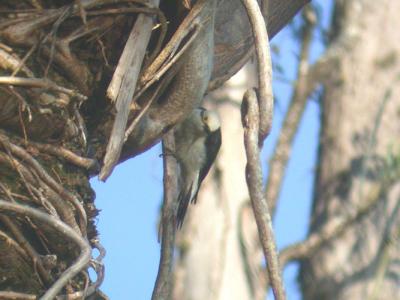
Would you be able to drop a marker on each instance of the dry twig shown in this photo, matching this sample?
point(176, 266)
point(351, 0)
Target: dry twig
point(10, 241)
point(34, 256)
point(40, 83)
point(9, 295)
point(153, 9)
point(14, 63)
point(167, 79)
point(98, 266)
point(66, 154)
point(257, 121)
point(266, 103)
point(159, 90)
point(188, 87)
point(167, 56)
point(250, 120)
point(331, 230)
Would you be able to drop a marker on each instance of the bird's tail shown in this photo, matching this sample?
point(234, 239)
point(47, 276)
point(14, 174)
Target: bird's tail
point(183, 200)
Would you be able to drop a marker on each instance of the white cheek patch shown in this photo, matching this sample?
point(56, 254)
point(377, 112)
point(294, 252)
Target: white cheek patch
point(213, 121)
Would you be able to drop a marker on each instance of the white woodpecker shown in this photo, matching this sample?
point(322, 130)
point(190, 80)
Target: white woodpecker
point(197, 142)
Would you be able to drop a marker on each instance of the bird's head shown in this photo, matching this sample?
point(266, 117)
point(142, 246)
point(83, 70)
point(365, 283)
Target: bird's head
point(210, 120)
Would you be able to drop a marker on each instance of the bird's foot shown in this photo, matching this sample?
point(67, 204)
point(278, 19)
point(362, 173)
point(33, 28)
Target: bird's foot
point(168, 152)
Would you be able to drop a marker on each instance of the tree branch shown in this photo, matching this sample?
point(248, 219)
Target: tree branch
point(250, 120)
point(331, 230)
point(162, 288)
point(265, 96)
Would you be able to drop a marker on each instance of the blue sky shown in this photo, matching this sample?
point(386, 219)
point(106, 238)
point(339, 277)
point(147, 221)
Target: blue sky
point(130, 200)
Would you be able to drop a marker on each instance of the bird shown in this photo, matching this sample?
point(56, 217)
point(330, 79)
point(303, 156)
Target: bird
point(197, 142)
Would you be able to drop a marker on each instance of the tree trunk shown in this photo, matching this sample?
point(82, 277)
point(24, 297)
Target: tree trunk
point(358, 157)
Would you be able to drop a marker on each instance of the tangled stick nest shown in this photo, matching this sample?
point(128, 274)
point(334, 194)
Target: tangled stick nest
point(68, 111)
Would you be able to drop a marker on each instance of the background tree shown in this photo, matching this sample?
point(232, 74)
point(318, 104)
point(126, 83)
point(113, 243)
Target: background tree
point(58, 62)
point(351, 251)
point(359, 154)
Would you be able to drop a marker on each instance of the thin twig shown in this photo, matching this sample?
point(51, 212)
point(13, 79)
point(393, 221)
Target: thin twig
point(26, 176)
point(35, 187)
point(98, 266)
point(80, 263)
point(53, 35)
point(34, 256)
point(195, 27)
point(386, 252)
point(187, 4)
point(162, 288)
point(9, 295)
point(147, 10)
point(159, 90)
point(22, 104)
point(332, 229)
point(22, 65)
point(176, 40)
point(372, 140)
point(146, 107)
point(10, 241)
point(188, 88)
point(14, 63)
point(265, 96)
point(66, 154)
point(251, 122)
point(39, 83)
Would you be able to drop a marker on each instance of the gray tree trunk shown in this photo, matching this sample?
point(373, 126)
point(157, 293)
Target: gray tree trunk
point(360, 132)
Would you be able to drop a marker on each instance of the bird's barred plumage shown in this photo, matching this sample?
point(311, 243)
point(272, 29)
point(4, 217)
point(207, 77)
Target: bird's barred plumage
point(197, 141)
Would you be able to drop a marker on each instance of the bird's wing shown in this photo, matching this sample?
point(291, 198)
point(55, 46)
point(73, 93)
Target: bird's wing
point(189, 193)
point(213, 143)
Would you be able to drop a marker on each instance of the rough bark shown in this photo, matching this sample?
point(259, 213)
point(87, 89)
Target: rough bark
point(359, 142)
